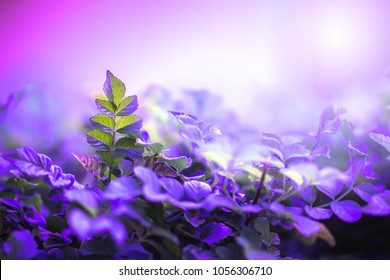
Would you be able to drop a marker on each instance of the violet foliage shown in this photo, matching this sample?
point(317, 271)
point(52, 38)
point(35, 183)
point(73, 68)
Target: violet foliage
point(209, 196)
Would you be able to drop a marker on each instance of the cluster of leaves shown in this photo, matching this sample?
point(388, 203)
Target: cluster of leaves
point(210, 196)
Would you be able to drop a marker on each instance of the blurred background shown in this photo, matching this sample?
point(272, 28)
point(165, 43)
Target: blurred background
point(276, 63)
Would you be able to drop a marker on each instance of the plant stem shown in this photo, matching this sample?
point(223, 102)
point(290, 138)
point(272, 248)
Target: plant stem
point(113, 136)
point(338, 199)
point(262, 179)
point(249, 217)
point(109, 175)
point(103, 187)
point(316, 143)
point(224, 186)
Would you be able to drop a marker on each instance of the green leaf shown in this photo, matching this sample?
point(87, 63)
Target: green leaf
point(162, 232)
point(255, 172)
point(127, 106)
point(106, 157)
point(250, 241)
point(125, 143)
point(24, 185)
point(262, 226)
point(164, 253)
point(127, 147)
point(215, 156)
point(381, 139)
point(7, 194)
point(155, 211)
point(34, 200)
point(179, 163)
point(100, 139)
point(293, 175)
point(103, 122)
point(105, 106)
point(128, 124)
point(114, 88)
point(154, 148)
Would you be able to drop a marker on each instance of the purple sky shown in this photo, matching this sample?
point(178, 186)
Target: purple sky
point(254, 53)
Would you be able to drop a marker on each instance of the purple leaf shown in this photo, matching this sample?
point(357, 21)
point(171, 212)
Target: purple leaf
point(196, 190)
point(274, 143)
point(381, 139)
point(130, 152)
point(113, 88)
point(366, 191)
point(331, 190)
point(126, 167)
point(213, 201)
point(64, 181)
point(80, 222)
point(91, 164)
point(330, 181)
point(56, 172)
point(185, 119)
point(214, 232)
point(151, 188)
point(191, 133)
point(318, 213)
point(330, 120)
point(309, 194)
point(306, 226)
point(123, 188)
point(321, 151)
point(128, 106)
point(194, 129)
point(131, 211)
point(347, 210)
point(105, 107)
point(354, 170)
point(288, 140)
point(29, 162)
point(173, 187)
point(209, 131)
point(100, 140)
point(12, 203)
point(251, 208)
point(21, 246)
point(368, 172)
point(85, 226)
point(379, 205)
point(105, 223)
point(195, 221)
point(295, 151)
point(197, 195)
point(85, 197)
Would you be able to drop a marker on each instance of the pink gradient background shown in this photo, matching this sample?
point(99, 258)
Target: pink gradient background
point(269, 59)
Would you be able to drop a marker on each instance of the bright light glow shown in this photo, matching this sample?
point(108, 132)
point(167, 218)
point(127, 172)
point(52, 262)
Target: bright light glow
point(338, 35)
